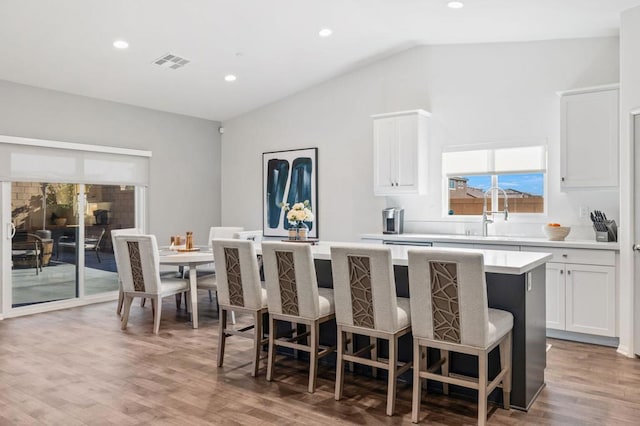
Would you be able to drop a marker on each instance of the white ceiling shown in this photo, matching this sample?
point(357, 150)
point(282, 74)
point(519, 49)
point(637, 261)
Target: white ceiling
point(271, 45)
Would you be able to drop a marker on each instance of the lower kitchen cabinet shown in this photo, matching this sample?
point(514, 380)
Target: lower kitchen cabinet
point(590, 299)
point(581, 298)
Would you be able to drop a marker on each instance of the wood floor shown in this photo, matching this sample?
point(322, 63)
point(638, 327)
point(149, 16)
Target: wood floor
point(76, 367)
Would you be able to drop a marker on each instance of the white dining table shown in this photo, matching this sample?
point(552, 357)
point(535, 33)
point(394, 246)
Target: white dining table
point(190, 259)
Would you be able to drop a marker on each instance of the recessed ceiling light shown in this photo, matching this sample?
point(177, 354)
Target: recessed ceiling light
point(325, 32)
point(120, 44)
point(455, 4)
point(230, 78)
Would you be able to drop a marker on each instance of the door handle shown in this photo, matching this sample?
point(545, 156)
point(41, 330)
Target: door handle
point(11, 230)
point(636, 247)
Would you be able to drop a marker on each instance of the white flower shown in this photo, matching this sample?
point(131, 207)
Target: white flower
point(299, 212)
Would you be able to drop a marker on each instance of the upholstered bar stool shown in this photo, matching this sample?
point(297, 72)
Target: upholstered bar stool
point(294, 296)
point(366, 304)
point(449, 312)
point(138, 266)
point(239, 290)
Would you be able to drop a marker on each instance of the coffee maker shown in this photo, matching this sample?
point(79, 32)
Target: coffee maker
point(392, 220)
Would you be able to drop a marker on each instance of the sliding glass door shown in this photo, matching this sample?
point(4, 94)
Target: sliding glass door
point(42, 213)
point(61, 248)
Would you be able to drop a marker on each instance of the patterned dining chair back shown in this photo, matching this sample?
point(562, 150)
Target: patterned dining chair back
point(138, 263)
point(124, 231)
point(448, 296)
point(237, 273)
point(292, 287)
point(364, 288)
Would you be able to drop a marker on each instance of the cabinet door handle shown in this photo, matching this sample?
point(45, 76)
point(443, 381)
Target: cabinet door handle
point(562, 179)
point(565, 255)
point(568, 272)
point(561, 272)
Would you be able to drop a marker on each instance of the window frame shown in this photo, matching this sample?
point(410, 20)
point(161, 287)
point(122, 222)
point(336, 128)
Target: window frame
point(488, 152)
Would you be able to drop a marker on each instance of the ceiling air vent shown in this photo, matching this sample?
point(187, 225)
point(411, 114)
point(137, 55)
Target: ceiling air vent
point(171, 61)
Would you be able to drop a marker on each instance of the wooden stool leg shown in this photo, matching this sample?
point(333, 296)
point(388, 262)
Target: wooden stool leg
point(482, 388)
point(178, 300)
point(271, 360)
point(505, 363)
point(120, 300)
point(127, 309)
point(445, 370)
point(313, 355)
point(417, 386)
point(392, 380)
point(374, 355)
point(222, 337)
point(339, 365)
point(257, 346)
point(158, 313)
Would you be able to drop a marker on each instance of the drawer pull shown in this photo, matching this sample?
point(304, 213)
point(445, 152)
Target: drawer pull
point(568, 272)
point(561, 272)
point(565, 255)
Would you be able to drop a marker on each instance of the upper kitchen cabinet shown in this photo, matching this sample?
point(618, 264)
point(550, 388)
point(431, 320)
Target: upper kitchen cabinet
point(589, 138)
point(400, 152)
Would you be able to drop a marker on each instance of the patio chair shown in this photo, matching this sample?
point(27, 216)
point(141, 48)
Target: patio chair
point(91, 243)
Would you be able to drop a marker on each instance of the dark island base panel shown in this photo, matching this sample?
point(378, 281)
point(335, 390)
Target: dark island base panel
point(522, 295)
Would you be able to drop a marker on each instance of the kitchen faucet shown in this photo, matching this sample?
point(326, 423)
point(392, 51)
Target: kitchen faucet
point(485, 220)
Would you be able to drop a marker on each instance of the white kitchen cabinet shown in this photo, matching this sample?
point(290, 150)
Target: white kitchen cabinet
point(581, 289)
point(555, 295)
point(589, 137)
point(400, 153)
point(590, 297)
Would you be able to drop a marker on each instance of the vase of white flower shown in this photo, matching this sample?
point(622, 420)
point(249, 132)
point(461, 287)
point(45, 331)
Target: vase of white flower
point(297, 215)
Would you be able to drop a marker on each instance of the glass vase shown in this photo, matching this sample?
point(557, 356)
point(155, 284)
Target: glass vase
point(302, 231)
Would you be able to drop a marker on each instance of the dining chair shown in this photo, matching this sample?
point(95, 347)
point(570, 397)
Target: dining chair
point(449, 312)
point(366, 304)
point(239, 290)
point(115, 233)
point(293, 296)
point(137, 260)
point(207, 272)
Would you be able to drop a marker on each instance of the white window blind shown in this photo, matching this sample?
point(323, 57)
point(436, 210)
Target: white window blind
point(527, 159)
point(35, 160)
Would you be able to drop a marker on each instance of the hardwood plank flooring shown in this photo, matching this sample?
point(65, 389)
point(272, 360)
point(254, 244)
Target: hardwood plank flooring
point(76, 367)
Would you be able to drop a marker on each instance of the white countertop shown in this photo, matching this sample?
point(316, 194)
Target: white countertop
point(498, 240)
point(495, 261)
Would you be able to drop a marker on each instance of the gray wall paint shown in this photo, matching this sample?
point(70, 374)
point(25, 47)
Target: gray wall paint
point(184, 191)
point(482, 93)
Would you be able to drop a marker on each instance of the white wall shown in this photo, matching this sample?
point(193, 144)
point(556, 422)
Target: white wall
point(503, 92)
point(629, 100)
point(184, 192)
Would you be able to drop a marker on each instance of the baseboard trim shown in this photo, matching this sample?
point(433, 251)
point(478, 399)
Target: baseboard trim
point(60, 304)
point(613, 342)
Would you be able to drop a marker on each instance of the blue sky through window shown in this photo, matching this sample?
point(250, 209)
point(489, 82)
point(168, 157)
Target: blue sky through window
point(532, 183)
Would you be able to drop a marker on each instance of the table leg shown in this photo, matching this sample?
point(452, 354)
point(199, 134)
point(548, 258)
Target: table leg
point(193, 287)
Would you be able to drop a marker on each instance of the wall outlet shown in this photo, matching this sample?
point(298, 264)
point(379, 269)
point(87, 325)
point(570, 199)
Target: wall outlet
point(584, 212)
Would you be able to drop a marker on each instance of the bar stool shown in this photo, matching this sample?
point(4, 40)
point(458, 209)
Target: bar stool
point(294, 296)
point(449, 312)
point(366, 304)
point(239, 290)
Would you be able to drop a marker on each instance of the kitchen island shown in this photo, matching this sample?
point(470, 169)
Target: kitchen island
point(515, 283)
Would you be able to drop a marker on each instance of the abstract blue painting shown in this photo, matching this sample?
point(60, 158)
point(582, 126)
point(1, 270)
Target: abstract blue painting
point(290, 177)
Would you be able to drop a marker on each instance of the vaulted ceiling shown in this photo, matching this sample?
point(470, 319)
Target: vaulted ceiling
point(271, 46)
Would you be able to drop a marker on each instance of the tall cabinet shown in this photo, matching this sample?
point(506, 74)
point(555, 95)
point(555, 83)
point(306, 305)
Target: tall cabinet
point(400, 152)
point(589, 137)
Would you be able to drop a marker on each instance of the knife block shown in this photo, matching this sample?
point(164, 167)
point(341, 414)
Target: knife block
point(611, 235)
